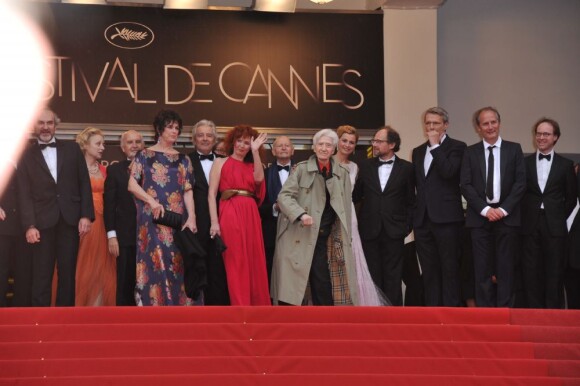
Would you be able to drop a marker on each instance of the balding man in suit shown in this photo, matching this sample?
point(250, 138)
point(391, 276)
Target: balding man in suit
point(56, 207)
point(120, 218)
point(493, 181)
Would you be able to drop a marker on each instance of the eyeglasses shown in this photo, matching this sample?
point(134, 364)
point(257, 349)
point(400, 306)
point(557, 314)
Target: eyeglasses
point(378, 141)
point(543, 135)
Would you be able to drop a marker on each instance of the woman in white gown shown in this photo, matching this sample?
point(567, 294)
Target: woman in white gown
point(369, 293)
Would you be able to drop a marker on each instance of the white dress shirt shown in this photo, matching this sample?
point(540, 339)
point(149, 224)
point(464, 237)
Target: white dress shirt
point(496, 174)
point(206, 166)
point(429, 156)
point(49, 154)
point(385, 171)
point(543, 169)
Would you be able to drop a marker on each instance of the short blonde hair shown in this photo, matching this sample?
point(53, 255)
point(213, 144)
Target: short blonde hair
point(84, 136)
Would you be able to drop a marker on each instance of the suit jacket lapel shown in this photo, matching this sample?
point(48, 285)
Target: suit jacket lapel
point(480, 154)
point(532, 170)
point(394, 173)
point(59, 157)
point(553, 170)
point(503, 156)
point(274, 183)
point(39, 158)
point(421, 161)
point(375, 174)
point(201, 174)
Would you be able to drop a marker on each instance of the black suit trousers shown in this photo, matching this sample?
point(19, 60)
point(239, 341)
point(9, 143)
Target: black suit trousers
point(126, 275)
point(320, 284)
point(439, 250)
point(495, 246)
point(59, 243)
point(384, 257)
point(543, 262)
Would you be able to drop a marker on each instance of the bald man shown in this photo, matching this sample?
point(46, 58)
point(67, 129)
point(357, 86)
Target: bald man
point(120, 218)
point(56, 208)
point(275, 176)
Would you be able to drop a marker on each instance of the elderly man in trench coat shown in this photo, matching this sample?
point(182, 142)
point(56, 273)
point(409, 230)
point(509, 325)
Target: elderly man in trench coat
point(315, 218)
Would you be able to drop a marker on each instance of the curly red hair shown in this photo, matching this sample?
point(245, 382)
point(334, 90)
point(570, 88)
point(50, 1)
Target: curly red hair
point(242, 131)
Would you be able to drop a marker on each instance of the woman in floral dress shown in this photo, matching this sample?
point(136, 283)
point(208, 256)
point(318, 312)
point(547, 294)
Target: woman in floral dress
point(160, 180)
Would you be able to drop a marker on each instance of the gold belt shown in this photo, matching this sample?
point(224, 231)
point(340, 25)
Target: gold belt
point(229, 193)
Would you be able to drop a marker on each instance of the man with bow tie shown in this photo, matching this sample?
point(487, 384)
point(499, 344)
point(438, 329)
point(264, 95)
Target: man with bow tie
point(386, 189)
point(493, 181)
point(204, 136)
point(438, 221)
point(56, 207)
point(549, 200)
point(120, 217)
point(275, 176)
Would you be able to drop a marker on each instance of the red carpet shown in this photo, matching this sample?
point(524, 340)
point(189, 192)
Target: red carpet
point(288, 346)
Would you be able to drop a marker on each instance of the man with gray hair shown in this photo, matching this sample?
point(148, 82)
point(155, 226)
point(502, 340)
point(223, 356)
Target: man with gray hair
point(438, 219)
point(120, 218)
point(204, 136)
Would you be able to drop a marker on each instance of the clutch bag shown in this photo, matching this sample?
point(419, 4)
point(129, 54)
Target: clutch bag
point(170, 219)
point(220, 246)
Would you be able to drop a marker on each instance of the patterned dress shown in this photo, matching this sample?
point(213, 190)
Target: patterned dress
point(159, 263)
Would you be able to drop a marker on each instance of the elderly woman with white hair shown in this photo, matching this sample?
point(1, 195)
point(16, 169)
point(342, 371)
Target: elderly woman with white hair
point(313, 243)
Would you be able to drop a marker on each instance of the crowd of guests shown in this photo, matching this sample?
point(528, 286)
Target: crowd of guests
point(325, 231)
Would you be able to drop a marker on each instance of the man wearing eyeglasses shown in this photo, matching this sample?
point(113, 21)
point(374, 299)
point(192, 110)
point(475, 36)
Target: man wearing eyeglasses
point(549, 199)
point(386, 189)
point(493, 181)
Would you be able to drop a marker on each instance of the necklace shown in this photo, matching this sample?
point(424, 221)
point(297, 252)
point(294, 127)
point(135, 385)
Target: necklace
point(94, 168)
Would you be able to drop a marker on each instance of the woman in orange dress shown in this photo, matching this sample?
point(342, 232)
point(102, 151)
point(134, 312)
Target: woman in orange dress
point(96, 269)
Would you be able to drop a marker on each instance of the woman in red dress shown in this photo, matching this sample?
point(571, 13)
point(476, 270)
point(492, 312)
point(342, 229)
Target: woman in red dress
point(240, 180)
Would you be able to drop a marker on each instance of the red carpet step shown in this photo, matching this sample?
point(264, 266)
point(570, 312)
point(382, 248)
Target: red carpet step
point(288, 346)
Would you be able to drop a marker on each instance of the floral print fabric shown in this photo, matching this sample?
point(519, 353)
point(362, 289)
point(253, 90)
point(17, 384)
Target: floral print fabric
point(166, 177)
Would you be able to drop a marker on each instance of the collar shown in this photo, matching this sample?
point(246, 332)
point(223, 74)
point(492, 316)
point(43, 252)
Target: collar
point(496, 144)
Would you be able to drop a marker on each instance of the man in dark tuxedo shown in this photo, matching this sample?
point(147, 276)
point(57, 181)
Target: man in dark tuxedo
point(204, 137)
point(438, 220)
point(386, 190)
point(572, 275)
point(549, 200)
point(493, 181)
point(56, 207)
point(275, 176)
point(15, 254)
point(120, 218)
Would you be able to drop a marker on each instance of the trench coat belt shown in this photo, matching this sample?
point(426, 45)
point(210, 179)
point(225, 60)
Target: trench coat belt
point(229, 193)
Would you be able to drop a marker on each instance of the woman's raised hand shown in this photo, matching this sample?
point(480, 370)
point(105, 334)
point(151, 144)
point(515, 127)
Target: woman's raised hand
point(258, 141)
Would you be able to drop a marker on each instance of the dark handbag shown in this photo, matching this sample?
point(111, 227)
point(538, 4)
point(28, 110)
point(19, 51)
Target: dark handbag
point(220, 246)
point(170, 219)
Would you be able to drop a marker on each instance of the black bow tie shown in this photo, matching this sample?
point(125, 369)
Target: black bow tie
point(280, 167)
point(206, 156)
point(546, 156)
point(45, 145)
point(381, 163)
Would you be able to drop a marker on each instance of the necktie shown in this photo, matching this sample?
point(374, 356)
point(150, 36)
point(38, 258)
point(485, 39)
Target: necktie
point(45, 145)
point(381, 163)
point(280, 167)
point(323, 172)
point(547, 157)
point(490, 167)
point(206, 156)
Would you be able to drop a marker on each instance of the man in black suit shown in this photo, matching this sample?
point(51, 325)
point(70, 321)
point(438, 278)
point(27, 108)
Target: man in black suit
point(204, 137)
point(572, 275)
point(14, 252)
point(56, 206)
point(549, 200)
point(386, 189)
point(493, 181)
point(438, 220)
point(275, 176)
point(120, 218)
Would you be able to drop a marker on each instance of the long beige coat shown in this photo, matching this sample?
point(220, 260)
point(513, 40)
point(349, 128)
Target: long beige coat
point(304, 192)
